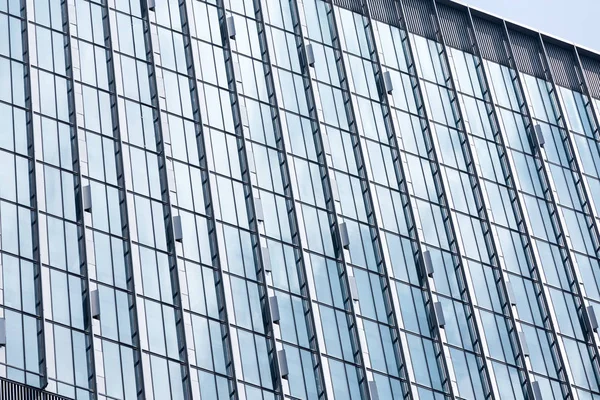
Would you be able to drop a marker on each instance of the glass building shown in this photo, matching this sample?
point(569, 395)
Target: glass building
point(295, 199)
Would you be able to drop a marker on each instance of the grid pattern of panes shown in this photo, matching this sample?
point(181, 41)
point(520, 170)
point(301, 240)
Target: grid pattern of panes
point(301, 199)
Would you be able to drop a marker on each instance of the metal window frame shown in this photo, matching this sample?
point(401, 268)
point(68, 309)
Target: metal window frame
point(508, 171)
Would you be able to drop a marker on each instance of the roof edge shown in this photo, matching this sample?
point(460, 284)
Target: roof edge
point(492, 17)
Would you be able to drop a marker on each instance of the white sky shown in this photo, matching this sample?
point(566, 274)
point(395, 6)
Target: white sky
point(572, 20)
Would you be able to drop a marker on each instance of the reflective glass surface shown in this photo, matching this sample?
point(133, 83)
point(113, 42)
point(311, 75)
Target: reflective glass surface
point(296, 199)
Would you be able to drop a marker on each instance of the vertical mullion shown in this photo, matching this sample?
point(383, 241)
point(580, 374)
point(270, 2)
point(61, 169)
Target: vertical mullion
point(83, 233)
point(408, 207)
point(166, 202)
point(282, 148)
point(583, 82)
point(204, 171)
point(544, 174)
point(474, 328)
point(332, 202)
point(584, 196)
point(438, 334)
point(392, 301)
point(37, 262)
point(125, 207)
point(360, 154)
point(517, 204)
point(586, 90)
point(483, 214)
point(240, 131)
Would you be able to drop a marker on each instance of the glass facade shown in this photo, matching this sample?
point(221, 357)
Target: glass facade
point(295, 199)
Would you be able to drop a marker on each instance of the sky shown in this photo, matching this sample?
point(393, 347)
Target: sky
point(572, 20)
